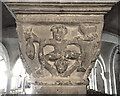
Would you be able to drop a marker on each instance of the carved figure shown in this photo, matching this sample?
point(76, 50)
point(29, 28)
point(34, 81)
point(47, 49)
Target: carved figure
point(60, 56)
point(30, 49)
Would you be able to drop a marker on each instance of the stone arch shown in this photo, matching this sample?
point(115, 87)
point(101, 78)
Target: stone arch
point(4, 54)
point(100, 62)
point(111, 38)
point(112, 69)
point(93, 76)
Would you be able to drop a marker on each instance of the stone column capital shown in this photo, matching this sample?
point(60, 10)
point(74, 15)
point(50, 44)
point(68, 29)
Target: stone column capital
point(60, 41)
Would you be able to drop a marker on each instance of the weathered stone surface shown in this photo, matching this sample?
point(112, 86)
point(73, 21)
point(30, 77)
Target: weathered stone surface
point(60, 42)
point(63, 90)
point(60, 49)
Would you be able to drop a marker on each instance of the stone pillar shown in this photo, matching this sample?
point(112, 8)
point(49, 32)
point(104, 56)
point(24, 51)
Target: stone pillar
point(9, 78)
point(59, 42)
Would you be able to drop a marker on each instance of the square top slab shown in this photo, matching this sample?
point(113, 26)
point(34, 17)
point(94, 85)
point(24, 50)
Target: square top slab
point(83, 7)
point(60, 0)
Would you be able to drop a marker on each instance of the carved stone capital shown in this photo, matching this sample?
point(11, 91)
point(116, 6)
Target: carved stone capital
point(60, 42)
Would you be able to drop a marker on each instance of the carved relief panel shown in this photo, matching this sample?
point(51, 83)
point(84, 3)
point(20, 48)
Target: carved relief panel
point(60, 53)
point(60, 41)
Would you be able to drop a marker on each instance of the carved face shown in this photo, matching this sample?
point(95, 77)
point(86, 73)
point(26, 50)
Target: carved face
point(58, 36)
point(61, 65)
point(59, 32)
